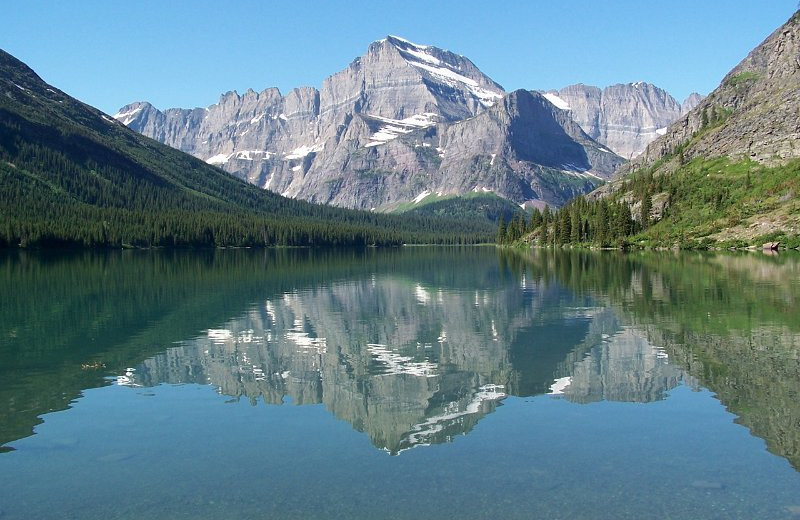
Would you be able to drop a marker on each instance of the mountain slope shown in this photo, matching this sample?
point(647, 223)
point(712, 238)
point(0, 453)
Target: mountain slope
point(71, 174)
point(752, 114)
point(379, 133)
point(524, 148)
point(729, 170)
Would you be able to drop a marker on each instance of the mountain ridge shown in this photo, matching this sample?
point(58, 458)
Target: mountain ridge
point(761, 84)
point(376, 134)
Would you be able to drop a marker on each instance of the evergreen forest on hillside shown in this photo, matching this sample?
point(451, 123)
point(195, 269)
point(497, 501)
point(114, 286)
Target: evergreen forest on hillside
point(693, 207)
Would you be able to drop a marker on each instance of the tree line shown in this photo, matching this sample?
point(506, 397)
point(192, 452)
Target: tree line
point(603, 222)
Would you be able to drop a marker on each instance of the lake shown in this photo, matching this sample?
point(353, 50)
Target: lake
point(405, 383)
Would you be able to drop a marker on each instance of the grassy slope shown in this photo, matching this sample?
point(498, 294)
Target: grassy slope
point(723, 203)
point(480, 206)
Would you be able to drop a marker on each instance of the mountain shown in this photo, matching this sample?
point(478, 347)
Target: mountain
point(400, 121)
point(752, 114)
point(72, 174)
point(728, 170)
point(623, 117)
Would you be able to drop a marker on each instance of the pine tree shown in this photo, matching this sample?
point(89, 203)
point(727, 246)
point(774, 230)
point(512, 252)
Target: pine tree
point(546, 215)
point(647, 206)
point(535, 221)
point(575, 225)
point(566, 226)
point(544, 237)
point(602, 222)
point(519, 228)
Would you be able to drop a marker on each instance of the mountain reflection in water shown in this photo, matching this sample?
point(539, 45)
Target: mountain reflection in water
point(428, 367)
point(406, 351)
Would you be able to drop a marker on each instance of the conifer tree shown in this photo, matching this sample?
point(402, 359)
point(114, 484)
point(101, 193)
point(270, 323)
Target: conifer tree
point(575, 225)
point(501, 230)
point(544, 238)
point(647, 206)
point(602, 222)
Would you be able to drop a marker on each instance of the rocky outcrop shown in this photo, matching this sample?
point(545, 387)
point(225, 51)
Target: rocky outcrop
point(623, 117)
point(402, 121)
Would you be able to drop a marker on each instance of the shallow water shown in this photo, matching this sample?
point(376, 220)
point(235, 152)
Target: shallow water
point(400, 383)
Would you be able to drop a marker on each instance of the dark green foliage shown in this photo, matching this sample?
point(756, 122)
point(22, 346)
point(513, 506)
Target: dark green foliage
point(514, 230)
point(601, 222)
point(477, 208)
point(544, 234)
point(535, 221)
point(646, 208)
point(501, 230)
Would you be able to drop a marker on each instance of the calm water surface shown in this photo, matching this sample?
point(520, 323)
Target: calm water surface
point(406, 383)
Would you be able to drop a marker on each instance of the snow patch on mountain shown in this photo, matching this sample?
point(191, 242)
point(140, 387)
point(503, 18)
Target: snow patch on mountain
point(485, 96)
point(422, 56)
point(302, 151)
point(419, 198)
point(127, 117)
point(220, 158)
point(394, 128)
point(244, 155)
point(400, 39)
point(481, 189)
point(557, 101)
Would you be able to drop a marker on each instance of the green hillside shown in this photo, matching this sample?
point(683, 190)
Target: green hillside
point(705, 203)
point(71, 175)
point(473, 206)
point(718, 202)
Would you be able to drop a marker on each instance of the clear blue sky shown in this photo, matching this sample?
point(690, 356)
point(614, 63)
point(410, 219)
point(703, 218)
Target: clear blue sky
point(184, 54)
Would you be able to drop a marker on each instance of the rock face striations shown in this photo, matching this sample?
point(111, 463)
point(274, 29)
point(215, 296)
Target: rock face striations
point(624, 117)
point(402, 122)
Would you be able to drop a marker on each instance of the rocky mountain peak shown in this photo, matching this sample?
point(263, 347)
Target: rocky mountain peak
point(691, 101)
point(452, 69)
point(133, 111)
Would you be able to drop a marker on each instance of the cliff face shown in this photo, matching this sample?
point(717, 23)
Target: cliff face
point(400, 121)
point(623, 117)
